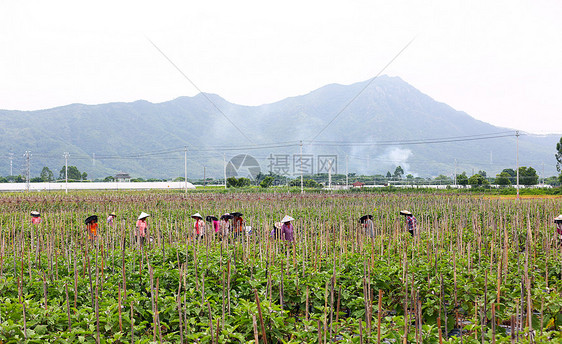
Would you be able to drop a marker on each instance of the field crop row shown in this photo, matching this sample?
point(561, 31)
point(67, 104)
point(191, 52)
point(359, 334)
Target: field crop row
point(480, 270)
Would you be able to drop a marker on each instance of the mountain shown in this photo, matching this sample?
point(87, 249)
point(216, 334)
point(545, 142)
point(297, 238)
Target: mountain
point(147, 139)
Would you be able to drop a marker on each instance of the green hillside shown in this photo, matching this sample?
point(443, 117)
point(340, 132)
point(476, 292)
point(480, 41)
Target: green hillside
point(147, 140)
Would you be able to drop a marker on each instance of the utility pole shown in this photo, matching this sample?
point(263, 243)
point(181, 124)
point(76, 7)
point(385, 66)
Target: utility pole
point(517, 160)
point(346, 174)
point(27, 168)
point(11, 160)
point(66, 172)
point(185, 166)
point(455, 175)
point(302, 184)
point(330, 175)
point(224, 158)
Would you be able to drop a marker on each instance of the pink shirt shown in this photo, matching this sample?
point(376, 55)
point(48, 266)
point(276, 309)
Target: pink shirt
point(216, 224)
point(141, 225)
point(36, 220)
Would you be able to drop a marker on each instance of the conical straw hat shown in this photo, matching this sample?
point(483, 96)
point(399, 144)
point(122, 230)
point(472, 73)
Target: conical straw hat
point(287, 218)
point(197, 215)
point(143, 215)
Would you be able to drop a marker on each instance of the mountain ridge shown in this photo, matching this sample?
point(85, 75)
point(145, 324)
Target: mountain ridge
point(387, 108)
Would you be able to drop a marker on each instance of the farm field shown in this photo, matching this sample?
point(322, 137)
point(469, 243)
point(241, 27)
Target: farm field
point(482, 270)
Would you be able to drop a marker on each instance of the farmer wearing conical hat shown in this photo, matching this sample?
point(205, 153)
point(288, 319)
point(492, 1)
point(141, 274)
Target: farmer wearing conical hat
point(225, 225)
point(367, 222)
point(287, 230)
point(92, 226)
point(410, 221)
point(198, 226)
point(142, 228)
point(35, 217)
point(110, 218)
point(558, 222)
point(238, 224)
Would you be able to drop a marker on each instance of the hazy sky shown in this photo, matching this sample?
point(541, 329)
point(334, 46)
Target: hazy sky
point(500, 61)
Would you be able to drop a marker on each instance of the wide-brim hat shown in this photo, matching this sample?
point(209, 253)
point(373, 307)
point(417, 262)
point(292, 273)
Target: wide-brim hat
point(226, 216)
point(287, 218)
point(236, 214)
point(558, 218)
point(90, 219)
point(211, 218)
point(405, 212)
point(112, 214)
point(35, 214)
point(197, 215)
point(365, 217)
point(143, 215)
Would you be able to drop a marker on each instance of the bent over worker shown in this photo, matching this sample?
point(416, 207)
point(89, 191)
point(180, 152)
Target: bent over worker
point(410, 221)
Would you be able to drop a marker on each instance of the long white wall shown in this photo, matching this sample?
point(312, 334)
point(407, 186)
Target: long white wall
point(94, 186)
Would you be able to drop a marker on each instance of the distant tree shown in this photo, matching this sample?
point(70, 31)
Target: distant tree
point(84, 176)
point(36, 180)
point(133, 180)
point(311, 183)
point(47, 175)
point(3, 180)
point(409, 176)
point(179, 179)
point(553, 181)
point(482, 173)
point(110, 179)
point(558, 156)
point(73, 173)
point(477, 180)
point(388, 175)
point(398, 172)
point(267, 182)
point(462, 179)
point(232, 182)
point(443, 178)
point(503, 179)
point(510, 171)
point(16, 179)
point(242, 182)
point(528, 176)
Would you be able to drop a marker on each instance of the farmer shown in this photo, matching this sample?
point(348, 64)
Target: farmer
point(276, 231)
point(215, 223)
point(225, 224)
point(110, 218)
point(558, 222)
point(198, 226)
point(238, 225)
point(410, 221)
point(367, 221)
point(35, 217)
point(92, 226)
point(287, 230)
point(142, 228)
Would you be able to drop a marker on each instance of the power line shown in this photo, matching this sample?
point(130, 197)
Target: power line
point(363, 89)
point(198, 89)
